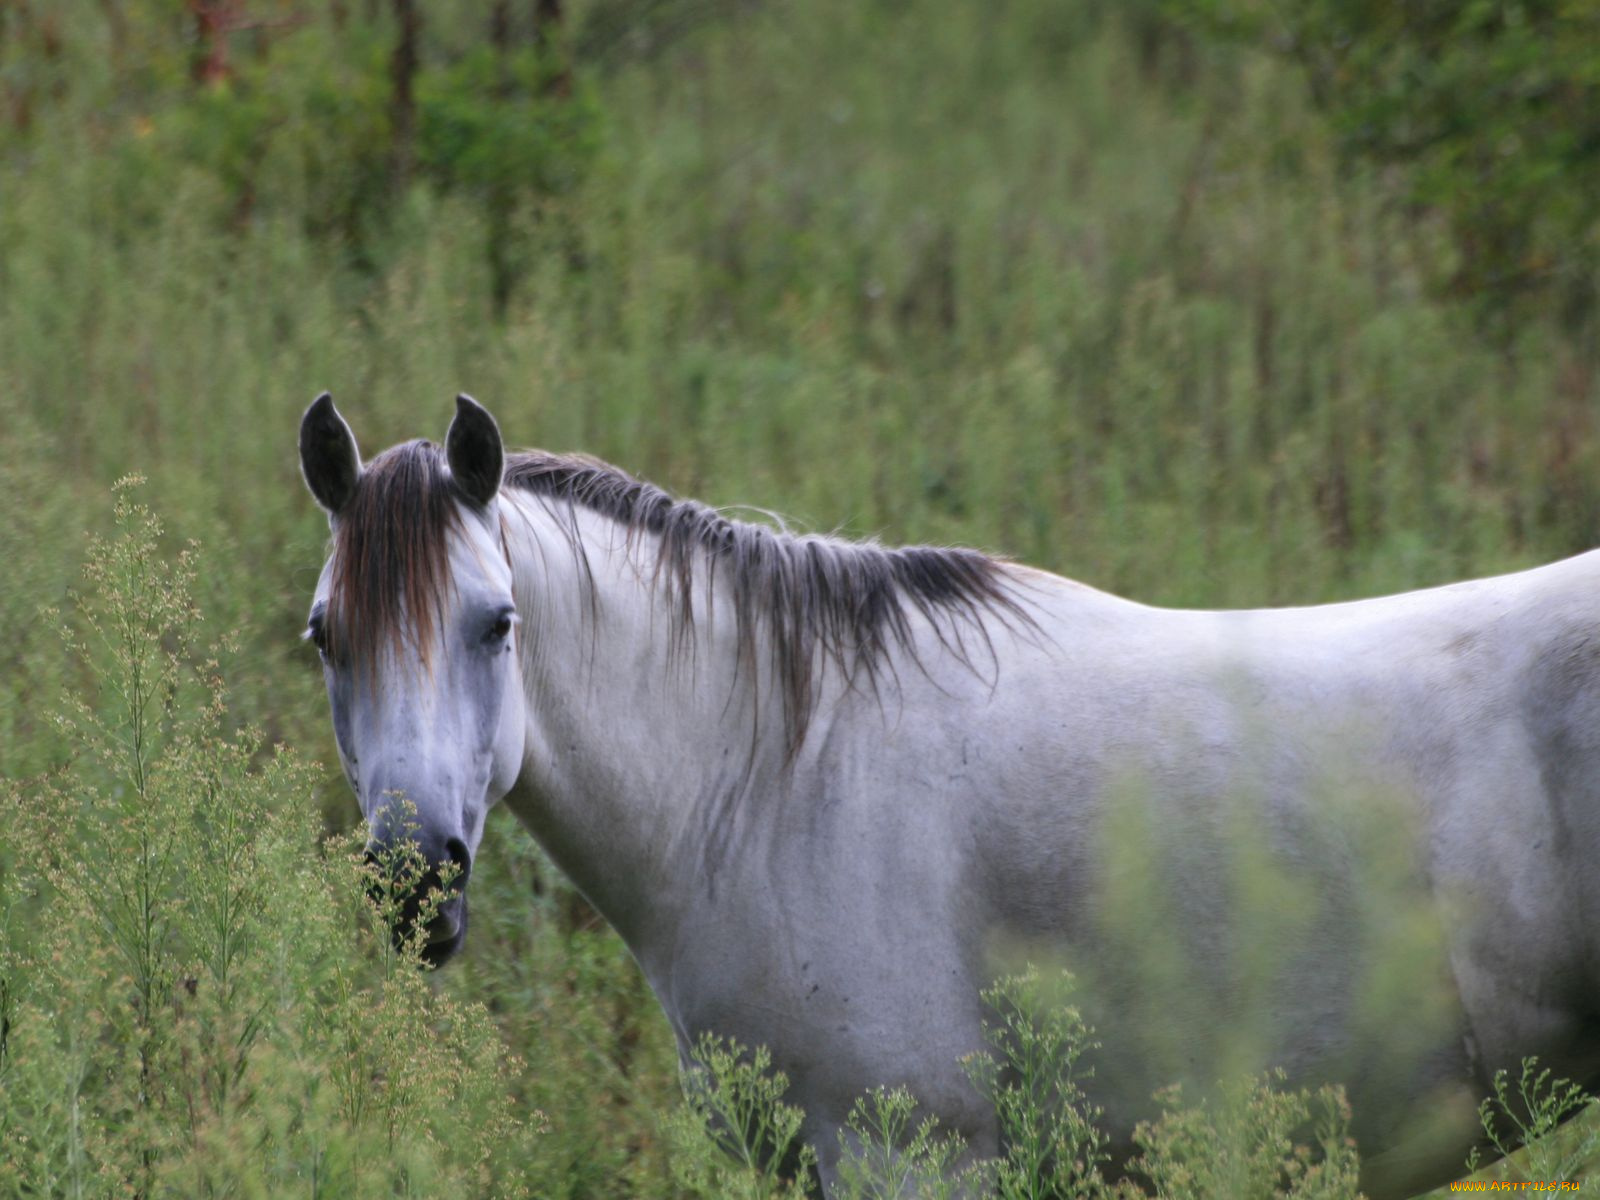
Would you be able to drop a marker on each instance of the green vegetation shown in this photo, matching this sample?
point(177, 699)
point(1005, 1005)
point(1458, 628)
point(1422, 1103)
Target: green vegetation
point(1030, 1075)
point(1490, 107)
point(191, 1005)
point(1108, 288)
point(1246, 1142)
point(1531, 1115)
point(736, 1138)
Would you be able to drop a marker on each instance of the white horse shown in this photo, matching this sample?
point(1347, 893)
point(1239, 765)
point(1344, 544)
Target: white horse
point(822, 789)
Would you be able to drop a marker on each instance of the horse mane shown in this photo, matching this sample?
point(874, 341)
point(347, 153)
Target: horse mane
point(817, 598)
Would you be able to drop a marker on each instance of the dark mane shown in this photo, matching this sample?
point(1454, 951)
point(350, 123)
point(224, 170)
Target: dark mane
point(391, 555)
point(818, 598)
point(806, 599)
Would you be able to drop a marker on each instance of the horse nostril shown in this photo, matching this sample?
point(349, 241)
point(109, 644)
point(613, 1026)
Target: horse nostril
point(462, 857)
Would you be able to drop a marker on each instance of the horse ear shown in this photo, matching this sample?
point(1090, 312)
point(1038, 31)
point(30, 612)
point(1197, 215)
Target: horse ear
point(329, 459)
point(474, 452)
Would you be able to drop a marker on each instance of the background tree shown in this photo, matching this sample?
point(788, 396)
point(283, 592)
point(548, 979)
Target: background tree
point(1491, 108)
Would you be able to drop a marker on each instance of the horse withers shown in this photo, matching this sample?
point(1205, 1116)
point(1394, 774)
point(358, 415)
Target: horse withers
point(827, 790)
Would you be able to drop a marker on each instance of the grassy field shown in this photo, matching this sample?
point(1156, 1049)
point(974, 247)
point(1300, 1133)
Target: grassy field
point(1043, 279)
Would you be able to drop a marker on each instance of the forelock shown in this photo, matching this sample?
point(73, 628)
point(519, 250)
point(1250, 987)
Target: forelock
point(390, 569)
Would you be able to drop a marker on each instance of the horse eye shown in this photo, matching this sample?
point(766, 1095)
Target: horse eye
point(317, 635)
point(501, 628)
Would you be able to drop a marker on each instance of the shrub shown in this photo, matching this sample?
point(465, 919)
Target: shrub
point(1491, 108)
point(1047, 1124)
point(735, 1137)
point(1532, 1117)
point(1247, 1143)
point(1250, 1140)
point(188, 1004)
point(890, 1153)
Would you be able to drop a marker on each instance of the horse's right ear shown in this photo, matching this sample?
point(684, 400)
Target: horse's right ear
point(328, 456)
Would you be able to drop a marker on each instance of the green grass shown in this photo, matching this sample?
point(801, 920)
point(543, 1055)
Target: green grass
point(1024, 276)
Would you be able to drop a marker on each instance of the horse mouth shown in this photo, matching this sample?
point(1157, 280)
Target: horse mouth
point(446, 933)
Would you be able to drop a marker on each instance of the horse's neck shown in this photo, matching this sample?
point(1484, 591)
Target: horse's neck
point(637, 730)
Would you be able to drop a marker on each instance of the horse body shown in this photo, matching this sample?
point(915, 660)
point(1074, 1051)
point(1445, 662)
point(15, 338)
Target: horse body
point(841, 888)
point(844, 909)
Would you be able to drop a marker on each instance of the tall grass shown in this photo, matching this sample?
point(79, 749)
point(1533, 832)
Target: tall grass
point(188, 1007)
point(1023, 275)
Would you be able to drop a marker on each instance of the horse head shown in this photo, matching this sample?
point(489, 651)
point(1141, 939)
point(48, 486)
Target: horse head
point(415, 622)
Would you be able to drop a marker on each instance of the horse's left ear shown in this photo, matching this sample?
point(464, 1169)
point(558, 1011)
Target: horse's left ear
point(473, 449)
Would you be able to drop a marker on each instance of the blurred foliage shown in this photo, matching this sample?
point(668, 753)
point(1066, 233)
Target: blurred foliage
point(306, 127)
point(1248, 1139)
point(1492, 107)
point(491, 121)
point(1253, 1138)
point(291, 112)
point(1080, 283)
